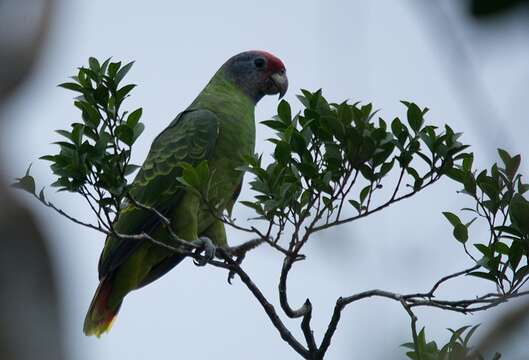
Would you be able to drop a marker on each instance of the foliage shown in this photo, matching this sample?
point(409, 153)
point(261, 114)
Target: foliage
point(333, 163)
point(94, 156)
point(325, 153)
point(497, 197)
point(457, 348)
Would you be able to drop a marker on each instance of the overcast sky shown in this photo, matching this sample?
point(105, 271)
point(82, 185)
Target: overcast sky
point(376, 51)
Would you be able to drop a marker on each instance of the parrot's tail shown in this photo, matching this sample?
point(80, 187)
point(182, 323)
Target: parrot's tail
point(101, 314)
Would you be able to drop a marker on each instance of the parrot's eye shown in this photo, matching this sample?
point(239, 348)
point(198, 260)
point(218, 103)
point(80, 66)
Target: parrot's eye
point(259, 63)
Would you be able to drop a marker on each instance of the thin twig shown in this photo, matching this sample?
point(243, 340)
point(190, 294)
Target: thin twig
point(413, 328)
point(69, 217)
point(377, 209)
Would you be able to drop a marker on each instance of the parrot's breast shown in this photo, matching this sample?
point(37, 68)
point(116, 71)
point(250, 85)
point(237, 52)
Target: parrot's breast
point(235, 141)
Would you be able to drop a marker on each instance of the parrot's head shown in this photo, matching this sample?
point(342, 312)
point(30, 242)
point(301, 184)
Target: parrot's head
point(257, 73)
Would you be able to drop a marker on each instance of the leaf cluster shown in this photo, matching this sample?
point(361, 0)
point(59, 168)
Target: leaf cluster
point(498, 198)
point(457, 348)
point(93, 157)
point(330, 162)
point(322, 152)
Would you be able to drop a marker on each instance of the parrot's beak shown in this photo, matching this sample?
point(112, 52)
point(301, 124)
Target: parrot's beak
point(281, 82)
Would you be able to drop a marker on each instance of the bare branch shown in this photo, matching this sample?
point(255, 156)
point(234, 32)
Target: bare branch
point(283, 299)
point(307, 331)
point(413, 327)
point(69, 217)
point(331, 328)
point(269, 309)
point(431, 293)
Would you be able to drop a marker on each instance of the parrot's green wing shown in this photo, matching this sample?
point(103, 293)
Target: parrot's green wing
point(191, 138)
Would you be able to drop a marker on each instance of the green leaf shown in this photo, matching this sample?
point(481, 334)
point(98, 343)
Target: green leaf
point(364, 192)
point(327, 202)
point(396, 126)
point(460, 230)
point(64, 133)
point(456, 334)
point(284, 112)
point(94, 64)
point(467, 162)
point(489, 185)
point(125, 134)
point(104, 66)
point(519, 213)
point(452, 218)
point(483, 275)
point(501, 248)
point(515, 254)
point(512, 169)
point(415, 117)
point(48, 158)
point(367, 172)
point(522, 188)
point(425, 158)
point(121, 93)
point(461, 233)
point(456, 174)
point(253, 205)
point(77, 134)
point(345, 115)
point(122, 72)
point(138, 130)
point(511, 163)
point(26, 183)
point(469, 334)
point(484, 249)
point(113, 69)
point(356, 205)
point(42, 197)
point(104, 139)
point(308, 170)
point(386, 168)
point(275, 125)
point(282, 152)
point(65, 145)
point(505, 157)
point(88, 75)
point(90, 115)
point(469, 183)
point(72, 86)
point(101, 95)
point(521, 273)
point(134, 117)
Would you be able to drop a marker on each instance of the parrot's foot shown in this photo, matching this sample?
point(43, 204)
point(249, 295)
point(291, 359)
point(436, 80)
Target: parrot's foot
point(239, 253)
point(205, 245)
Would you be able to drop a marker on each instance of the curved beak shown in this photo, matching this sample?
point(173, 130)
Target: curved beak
point(281, 82)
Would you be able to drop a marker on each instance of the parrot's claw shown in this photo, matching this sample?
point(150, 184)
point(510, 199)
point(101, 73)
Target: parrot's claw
point(239, 253)
point(206, 245)
point(238, 261)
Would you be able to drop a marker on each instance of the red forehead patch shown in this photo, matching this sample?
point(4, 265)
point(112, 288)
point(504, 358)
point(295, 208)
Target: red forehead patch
point(274, 63)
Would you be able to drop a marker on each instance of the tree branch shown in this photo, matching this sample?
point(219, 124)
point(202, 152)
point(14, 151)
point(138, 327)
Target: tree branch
point(269, 309)
point(377, 209)
point(307, 331)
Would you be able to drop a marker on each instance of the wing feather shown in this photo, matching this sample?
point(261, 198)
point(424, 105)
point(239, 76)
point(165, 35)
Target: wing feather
point(191, 138)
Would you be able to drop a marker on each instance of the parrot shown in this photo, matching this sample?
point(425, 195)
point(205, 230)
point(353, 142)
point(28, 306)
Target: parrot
point(218, 127)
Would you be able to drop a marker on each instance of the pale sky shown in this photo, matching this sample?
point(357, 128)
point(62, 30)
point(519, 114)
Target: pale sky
point(379, 51)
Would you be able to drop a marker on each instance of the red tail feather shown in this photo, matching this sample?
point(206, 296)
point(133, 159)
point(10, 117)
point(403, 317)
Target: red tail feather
point(101, 315)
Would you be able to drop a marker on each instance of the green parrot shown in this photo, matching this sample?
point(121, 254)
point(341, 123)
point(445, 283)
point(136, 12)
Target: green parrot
point(219, 127)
